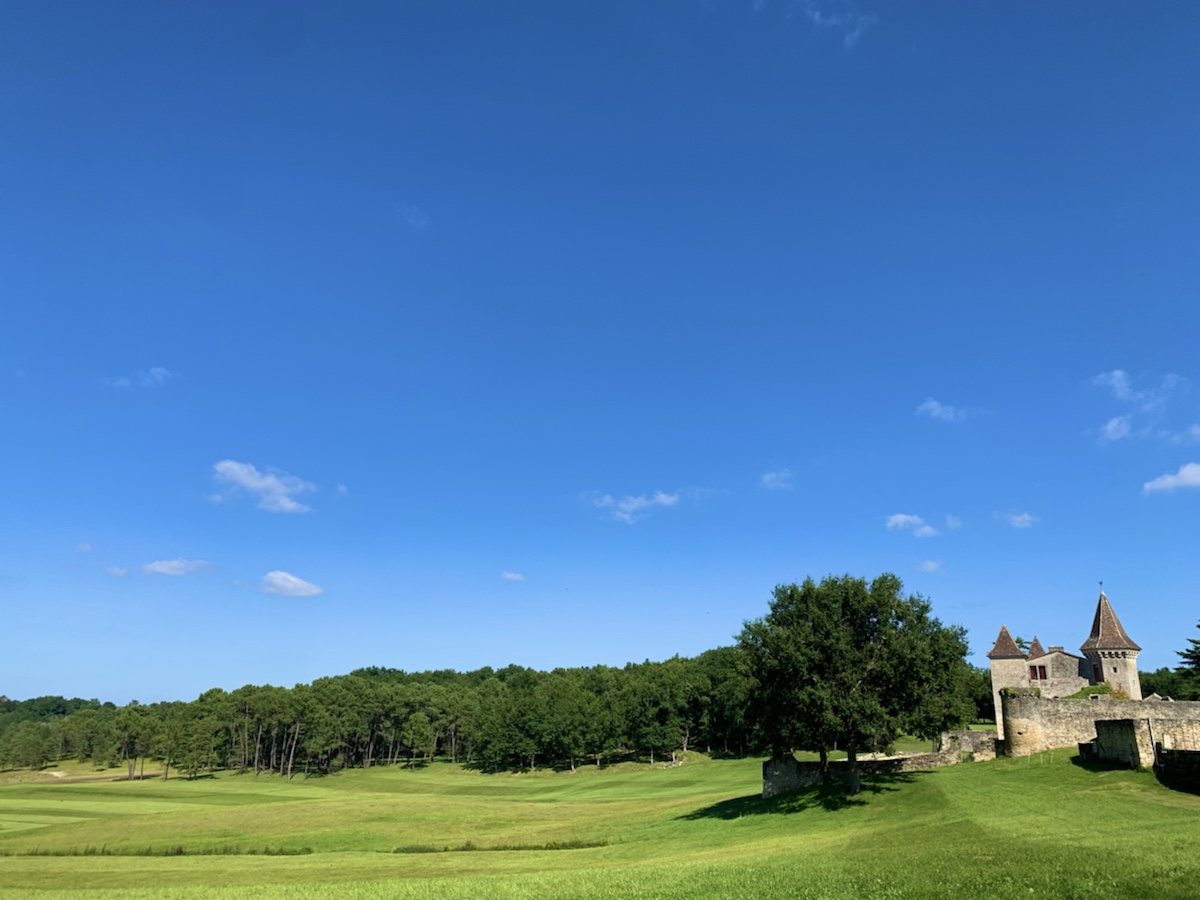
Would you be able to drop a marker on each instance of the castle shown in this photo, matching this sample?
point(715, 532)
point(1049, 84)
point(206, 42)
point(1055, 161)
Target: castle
point(1032, 689)
point(1109, 657)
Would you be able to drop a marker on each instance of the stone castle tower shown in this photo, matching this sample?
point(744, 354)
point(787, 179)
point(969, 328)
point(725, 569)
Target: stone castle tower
point(1109, 656)
point(1111, 652)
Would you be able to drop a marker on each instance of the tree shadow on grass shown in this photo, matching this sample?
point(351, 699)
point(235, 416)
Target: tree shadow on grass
point(829, 797)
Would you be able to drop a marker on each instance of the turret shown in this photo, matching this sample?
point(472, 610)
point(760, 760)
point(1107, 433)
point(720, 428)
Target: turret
point(1008, 670)
point(1111, 652)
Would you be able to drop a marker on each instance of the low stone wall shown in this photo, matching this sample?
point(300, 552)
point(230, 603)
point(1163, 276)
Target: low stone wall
point(782, 776)
point(1033, 723)
point(980, 745)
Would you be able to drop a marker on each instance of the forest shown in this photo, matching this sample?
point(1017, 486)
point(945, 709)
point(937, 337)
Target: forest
point(511, 719)
point(504, 719)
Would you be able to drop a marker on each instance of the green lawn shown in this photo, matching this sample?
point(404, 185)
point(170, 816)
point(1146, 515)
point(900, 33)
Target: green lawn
point(1039, 825)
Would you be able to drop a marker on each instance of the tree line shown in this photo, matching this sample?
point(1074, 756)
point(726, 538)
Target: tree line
point(844, 664)
point(511, 718)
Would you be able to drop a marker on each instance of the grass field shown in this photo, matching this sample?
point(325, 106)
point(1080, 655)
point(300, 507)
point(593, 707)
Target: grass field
point(1035, 826)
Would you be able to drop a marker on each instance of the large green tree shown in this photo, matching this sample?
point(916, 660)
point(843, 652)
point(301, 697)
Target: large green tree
point(851, 665)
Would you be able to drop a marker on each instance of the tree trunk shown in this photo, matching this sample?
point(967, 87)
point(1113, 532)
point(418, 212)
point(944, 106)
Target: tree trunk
point(292, 758)
point(826, 776)
point(852, 785)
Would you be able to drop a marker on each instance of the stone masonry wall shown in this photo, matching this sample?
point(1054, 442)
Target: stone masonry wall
point(1033, 724)
point(782, 776)
point(1125, 741)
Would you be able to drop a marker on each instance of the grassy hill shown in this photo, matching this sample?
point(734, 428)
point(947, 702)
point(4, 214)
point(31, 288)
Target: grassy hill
point(1035, 826)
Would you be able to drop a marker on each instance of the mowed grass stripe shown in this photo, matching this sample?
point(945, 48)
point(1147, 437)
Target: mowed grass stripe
point(987, 829)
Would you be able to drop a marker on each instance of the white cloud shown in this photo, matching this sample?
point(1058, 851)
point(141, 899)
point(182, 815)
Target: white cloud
point(1019, 520)
point(154, 377)
point(1189, 435)
point(116, 571)
point(342, 490)
point(1116, 381)
point(629, 508)
point(953, 522)
point(839, 15)
point(1145, 406)
point(930, 565)
point(942, 411)
point(175, 566)
point(276, 491)
point(285, 584)
point(914, 524)
point(416, 217)
point(1116, 428)
point(1188, 476)
point(512, 576)
point(780, 480)
point(84, 547)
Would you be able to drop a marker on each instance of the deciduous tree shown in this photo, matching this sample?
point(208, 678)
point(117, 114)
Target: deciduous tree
point(851, 665)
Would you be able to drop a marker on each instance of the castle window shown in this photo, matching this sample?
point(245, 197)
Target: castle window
point(1033, 673)
point(1042, 672)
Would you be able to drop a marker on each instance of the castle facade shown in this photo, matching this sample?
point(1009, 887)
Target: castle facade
point(1109, 657)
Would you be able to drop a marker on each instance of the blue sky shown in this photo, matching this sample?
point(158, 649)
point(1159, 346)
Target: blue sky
point(447, 335)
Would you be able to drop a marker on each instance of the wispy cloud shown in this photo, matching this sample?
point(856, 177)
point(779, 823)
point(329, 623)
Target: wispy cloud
point(116, 571)
point(416, 218)
point(512, 576)
point(1116, 428)
point(842, 16)
point(1145, 406)
point(83, 547)
point(342, 490)
point(1189, 435)
point(942, 411)
point(629, 508)
point(276, 491)
point(1018, 520)
point(176, 567)
point(915, 525)
point(780, 480)
point(154, 377)
point(1188, 476)
point(285, 584)
point(953, 522)
point(930, 565)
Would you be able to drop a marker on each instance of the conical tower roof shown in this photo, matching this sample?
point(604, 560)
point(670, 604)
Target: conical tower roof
point(1107, 633)
point(1006, 647)
point(1036, 649)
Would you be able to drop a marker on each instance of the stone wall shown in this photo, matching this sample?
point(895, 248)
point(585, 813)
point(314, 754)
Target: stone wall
point(782, 776)
point(1033, 723)
point(1125, 741)
point(978, 745)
